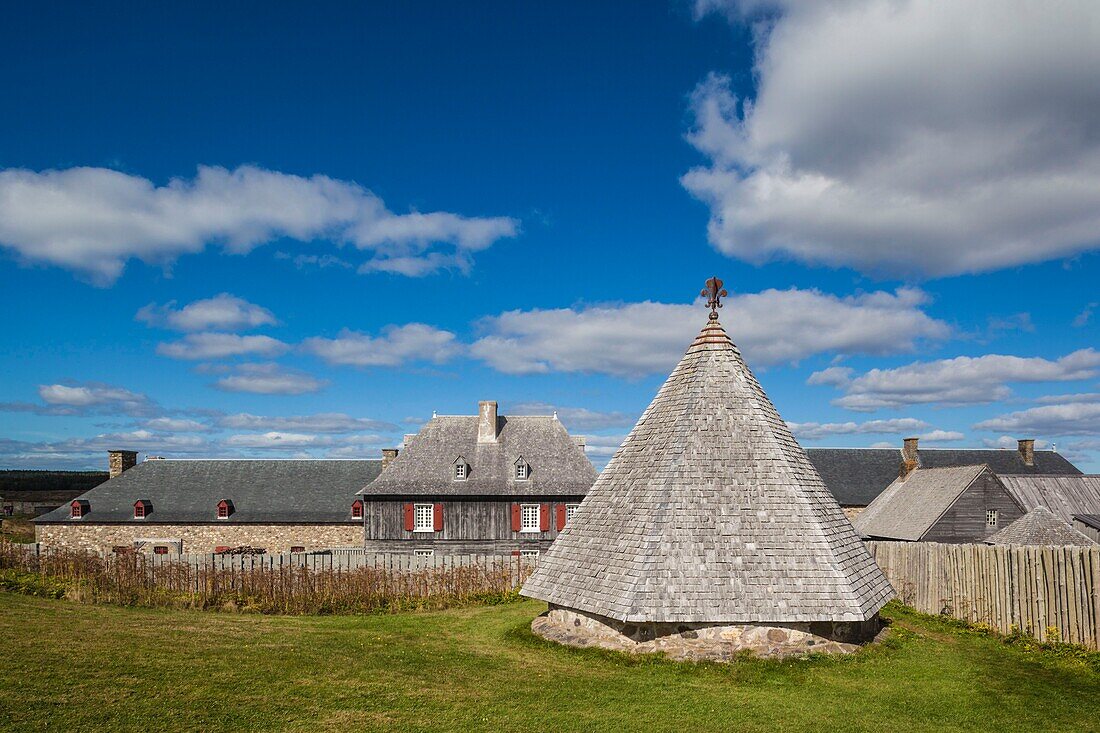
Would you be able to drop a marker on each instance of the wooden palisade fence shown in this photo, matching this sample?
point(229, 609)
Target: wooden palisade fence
point(294, 583)
point(1051, 593)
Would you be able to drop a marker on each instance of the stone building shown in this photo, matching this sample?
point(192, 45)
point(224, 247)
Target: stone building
point(484, 483)
point(709, 531)
point(199, 505)
point(34, 493)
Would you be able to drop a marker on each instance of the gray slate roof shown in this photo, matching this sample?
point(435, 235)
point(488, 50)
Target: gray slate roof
point(558, 466)
point(855, 476)
point(711, 512)
point(262, 491)
point(908, 508)
point(1063, 495)
point(1039, 527)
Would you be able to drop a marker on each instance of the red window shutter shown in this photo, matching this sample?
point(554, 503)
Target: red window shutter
point(515, 553)
point(437, 517)
point(561, 517)
point(544, 518)
point(515, 518)
point(221, 548)
point(409, 518)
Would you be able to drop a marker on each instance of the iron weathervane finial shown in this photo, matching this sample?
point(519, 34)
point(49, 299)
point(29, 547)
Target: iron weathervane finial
point(714, 293)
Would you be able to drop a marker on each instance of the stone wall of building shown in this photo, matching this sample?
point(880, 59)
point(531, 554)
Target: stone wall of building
point(200, 538)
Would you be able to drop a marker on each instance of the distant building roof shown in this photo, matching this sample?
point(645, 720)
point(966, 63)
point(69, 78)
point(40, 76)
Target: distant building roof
point(1039, 527)
point(710, 512)
point(557, 464)
point(1065, 496)
point(261, 491)
point(1089, 520)
point(855, 476)
point(908, 508)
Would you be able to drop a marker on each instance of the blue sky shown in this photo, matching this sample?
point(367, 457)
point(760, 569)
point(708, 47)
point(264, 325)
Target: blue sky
point(261, 231)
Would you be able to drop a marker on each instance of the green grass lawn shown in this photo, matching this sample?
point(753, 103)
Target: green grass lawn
point(70, 667)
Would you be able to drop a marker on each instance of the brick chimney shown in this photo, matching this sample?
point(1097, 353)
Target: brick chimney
point(388, 454)
point(1026, 447)
point(909, 458)
point(487, 421)
point(119, 461)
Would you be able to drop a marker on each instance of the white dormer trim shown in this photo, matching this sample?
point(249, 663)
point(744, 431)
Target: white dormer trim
point(521, 469)
point(460, 469)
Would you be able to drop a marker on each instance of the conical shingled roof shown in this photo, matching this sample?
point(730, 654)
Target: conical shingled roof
point(1039, 527)
point(710, 512)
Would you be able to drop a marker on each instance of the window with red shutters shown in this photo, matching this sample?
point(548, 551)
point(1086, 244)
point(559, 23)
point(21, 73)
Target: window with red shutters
point(357, 509)
point(139, 509)
point(221, 548)
point(544, 518)
point(560, 516)
point(437, 517)
point(410, 520)
point(160, 550)
point(225, 508)
point(76, 510)
point(516, 521)
point(297, 548)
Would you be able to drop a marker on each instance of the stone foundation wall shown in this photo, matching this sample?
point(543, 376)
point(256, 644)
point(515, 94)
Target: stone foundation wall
point(200, 538)
point(853, 511)
point(702, 641)
point(456, 547)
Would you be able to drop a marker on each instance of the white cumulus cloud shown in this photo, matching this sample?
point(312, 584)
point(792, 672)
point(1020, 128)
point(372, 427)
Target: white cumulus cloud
point(911, 137)
point(770, 327)
point(195, 346)
point(92, 220)
point(396, 345)
point(223, 312)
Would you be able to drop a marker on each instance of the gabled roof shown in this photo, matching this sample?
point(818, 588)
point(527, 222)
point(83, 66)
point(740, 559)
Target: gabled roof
point(711, 512)
point(424, 467)
point(855, 476)
point(1063, 495)
point(1039, 527)
point(908, 508)
point(262, 491)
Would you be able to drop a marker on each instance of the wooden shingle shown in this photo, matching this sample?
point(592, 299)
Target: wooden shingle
point(711, 512)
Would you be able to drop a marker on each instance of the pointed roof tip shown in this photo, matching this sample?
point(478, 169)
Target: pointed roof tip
point(712, 334)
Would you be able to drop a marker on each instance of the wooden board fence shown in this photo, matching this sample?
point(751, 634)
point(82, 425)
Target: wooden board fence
point(1047, 592)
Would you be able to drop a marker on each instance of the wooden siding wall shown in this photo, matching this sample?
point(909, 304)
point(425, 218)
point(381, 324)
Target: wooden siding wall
point(965, 520)
point(464, 519)
point(1032, 589)
point(1091, 532)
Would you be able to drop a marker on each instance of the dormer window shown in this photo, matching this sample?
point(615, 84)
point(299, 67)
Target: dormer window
point(521, 470)
point(461, 469)
point(142, 507)
point(357, 509)
point(78, 509)
point(225, 508)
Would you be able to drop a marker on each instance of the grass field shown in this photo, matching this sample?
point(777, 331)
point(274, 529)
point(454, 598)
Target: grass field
point(70, 667)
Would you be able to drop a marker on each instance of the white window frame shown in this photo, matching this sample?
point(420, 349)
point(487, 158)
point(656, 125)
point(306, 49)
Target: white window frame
point(418, 510)
point(570, 510)
point(532, 554)
point(525, 513)
point(423, 553)
point(991, 517)
point(459, 471)
point(521, 470)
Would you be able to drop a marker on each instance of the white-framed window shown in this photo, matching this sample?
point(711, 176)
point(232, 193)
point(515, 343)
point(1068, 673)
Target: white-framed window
point(570, 510)
point(423, 553)
point(991, 517)
point(423, 518)
point(460, 471)
point(529, 518)
point(521, 471)
point(529, 553)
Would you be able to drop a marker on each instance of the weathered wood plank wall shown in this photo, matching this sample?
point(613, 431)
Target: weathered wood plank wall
point(1047, 592)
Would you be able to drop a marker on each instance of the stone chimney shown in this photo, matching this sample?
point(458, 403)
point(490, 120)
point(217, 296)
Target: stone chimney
point(909, 458)
point(1026, 447)
point(580, 442)
point(119, 461)
point(388, 454)
point(408, 437)
point(487, 421)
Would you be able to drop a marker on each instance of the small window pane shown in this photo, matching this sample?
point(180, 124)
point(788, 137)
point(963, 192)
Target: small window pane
point(570, 510)
point(425, 518)
point(460, 471)
point(423, 553)
point(521, 471)
point(529, 553)
point(991, 517)
point(529, 518)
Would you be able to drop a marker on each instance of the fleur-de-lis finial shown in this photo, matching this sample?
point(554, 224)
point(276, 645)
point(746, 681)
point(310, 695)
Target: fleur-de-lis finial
point(714, 293)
